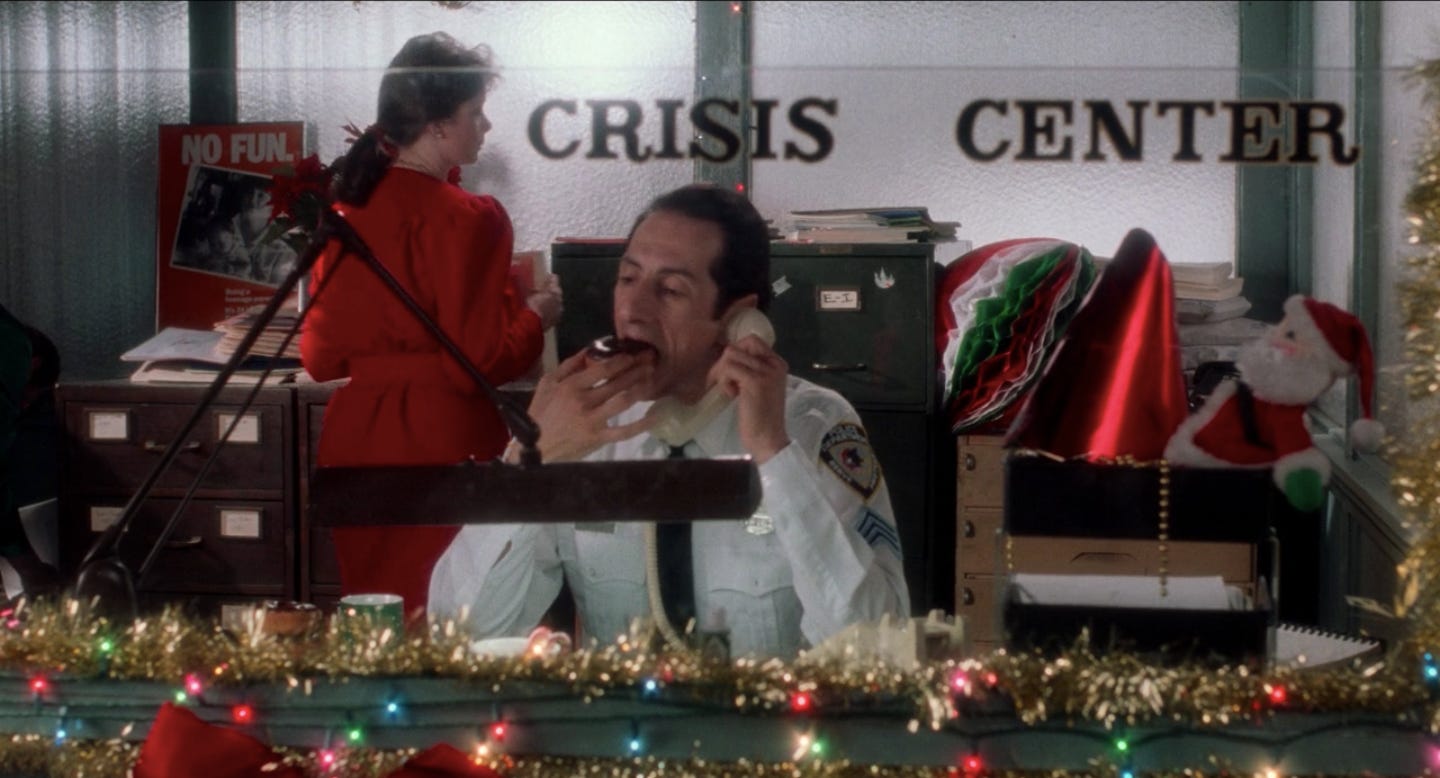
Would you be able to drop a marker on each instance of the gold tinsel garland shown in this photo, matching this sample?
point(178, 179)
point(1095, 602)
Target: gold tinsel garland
point(1111, 689)
point(1416, 477)
point(33, 755)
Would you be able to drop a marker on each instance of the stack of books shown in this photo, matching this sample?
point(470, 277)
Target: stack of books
point(903, 224)
point(271, 341)
point(1210, 308)
point(1206, 292)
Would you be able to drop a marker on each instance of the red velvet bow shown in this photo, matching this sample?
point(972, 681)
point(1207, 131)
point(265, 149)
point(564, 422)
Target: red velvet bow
point(180, 745)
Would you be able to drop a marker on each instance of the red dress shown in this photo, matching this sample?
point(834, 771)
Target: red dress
point(408, 402)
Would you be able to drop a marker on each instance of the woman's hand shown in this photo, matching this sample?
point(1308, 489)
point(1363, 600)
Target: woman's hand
point(547, 302)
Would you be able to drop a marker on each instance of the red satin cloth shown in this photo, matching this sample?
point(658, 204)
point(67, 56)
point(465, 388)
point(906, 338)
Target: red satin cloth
point(180, 745)
point(443, 761)
point(1115, 386)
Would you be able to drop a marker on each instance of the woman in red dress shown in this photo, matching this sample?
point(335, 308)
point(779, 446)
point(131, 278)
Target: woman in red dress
point(408, 402)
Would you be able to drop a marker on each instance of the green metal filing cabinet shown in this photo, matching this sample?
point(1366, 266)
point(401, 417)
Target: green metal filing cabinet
point(858, 318)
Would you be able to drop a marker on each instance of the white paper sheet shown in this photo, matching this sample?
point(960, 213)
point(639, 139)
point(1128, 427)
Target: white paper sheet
point(178, 343)
point(1127, 591)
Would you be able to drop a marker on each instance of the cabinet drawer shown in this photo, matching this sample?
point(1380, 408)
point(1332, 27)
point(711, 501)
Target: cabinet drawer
point(975, 601)
point(114, 446)
point(858, 322)
point(324, 568)
point(980, 471)
point(229, 547)
point(1233, 562)
point(978, 552)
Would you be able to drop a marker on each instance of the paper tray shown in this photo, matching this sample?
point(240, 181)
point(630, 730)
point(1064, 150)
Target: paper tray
point(1169, 635)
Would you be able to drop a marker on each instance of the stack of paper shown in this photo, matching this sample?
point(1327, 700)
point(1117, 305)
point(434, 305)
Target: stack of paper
point(179, 355)
point(899, 224)
point(1129, 591)
point(271, 341)
point(1212, 286)
point(1209, 306)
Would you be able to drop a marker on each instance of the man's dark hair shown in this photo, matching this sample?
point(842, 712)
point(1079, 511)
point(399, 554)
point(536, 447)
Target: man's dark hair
point(743, 266)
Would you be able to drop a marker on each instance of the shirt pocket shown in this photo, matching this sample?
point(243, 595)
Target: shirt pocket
point(610, 558)
point(607, 579)
point(754, 565)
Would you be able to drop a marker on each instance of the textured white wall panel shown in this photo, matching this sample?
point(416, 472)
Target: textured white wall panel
point(903, 71)
point(322, 62)
point(83, 89)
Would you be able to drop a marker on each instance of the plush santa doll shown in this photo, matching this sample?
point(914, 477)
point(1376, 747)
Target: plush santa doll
point(1259, 420)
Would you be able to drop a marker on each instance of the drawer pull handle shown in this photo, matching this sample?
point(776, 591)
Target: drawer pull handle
point(157, 448)
point(826, 367)
point(969, 529)
point(969, 461)
point(194, 541)
point(967, 597)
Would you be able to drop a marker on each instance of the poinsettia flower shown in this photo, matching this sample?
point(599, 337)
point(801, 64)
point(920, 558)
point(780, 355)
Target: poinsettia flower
point(311, 173)
point(299, 194)
point(289, 186)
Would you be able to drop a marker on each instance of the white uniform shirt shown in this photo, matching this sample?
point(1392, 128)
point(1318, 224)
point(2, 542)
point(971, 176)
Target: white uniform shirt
point(832, 558)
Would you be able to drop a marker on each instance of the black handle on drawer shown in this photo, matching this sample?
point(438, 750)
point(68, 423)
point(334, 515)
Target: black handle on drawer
point(194, 541)
point(969, 461)
point(969, 529)
point(152, 446)
point(827, 367)
point(967, 597)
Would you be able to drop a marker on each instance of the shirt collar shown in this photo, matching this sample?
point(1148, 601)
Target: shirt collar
point(718, 438)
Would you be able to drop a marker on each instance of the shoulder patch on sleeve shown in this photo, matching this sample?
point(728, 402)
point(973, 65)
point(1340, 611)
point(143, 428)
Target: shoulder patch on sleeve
point(846, 451)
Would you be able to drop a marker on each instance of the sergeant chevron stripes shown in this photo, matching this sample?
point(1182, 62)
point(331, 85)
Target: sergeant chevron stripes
point(876, 530)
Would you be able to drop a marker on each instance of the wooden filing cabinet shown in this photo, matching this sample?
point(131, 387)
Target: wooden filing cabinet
point(319, 572)
point(234, 543)
point(979, 519)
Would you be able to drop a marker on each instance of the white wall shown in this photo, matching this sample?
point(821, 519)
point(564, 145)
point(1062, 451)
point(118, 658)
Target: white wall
point(902, 72)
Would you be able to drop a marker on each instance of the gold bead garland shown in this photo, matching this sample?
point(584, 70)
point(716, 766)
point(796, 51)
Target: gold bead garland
point(1162, 516)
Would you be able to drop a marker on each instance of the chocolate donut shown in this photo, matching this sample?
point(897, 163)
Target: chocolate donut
point(609, 346)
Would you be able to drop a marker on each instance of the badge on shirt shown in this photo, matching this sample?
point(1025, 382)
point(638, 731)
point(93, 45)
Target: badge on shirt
point(846, 451)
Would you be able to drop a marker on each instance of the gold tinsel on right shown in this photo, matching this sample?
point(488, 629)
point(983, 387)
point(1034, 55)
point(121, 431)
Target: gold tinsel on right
point(1416, 474)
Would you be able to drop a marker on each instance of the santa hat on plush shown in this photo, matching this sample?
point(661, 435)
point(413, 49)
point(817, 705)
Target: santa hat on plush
point(1347, 350)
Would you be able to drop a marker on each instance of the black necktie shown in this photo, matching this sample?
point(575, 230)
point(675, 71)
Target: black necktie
point(677, 575)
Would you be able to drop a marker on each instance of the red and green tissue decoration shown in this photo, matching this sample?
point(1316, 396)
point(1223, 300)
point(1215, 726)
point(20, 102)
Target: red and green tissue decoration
point(1001, 309)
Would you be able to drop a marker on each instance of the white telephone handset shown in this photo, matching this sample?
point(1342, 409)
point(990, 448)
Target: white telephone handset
point(679, 423)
